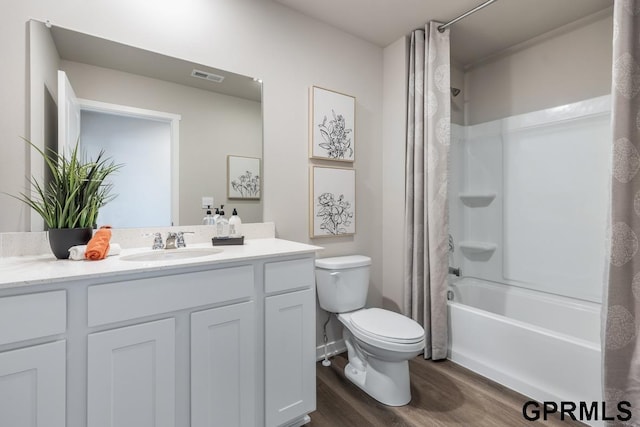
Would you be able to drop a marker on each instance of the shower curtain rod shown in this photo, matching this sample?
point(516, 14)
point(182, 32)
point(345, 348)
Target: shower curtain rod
point(443, 27)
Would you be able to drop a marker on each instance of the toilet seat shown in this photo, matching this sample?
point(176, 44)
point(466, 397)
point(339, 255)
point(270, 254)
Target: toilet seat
point(385, 329)
point(387, 326)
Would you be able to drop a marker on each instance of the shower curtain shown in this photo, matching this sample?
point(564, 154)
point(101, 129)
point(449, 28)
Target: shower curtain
point(621, 308)
point(426, 214)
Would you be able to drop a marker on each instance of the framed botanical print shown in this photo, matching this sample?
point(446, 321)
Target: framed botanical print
point(333, 202)
point(243, 177)
point(332, 125)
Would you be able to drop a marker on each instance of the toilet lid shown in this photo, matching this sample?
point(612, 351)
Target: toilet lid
point(387, 325)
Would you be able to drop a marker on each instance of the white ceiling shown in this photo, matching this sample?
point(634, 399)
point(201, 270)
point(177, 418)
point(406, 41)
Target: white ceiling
point(500, 25)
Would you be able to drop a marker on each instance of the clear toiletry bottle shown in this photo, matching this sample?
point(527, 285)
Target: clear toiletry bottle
point(235, 225)
point(208, 219)
point(222, 224)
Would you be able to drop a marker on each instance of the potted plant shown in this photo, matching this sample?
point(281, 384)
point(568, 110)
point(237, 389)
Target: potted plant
point(69, 203)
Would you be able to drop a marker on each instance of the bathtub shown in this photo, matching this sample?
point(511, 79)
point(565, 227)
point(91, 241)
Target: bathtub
point(544, 346)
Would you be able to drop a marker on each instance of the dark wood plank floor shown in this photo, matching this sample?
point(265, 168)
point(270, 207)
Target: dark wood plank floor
point(443, 394)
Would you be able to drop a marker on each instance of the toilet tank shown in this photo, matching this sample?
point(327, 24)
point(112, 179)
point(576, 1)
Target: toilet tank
point(342, 282)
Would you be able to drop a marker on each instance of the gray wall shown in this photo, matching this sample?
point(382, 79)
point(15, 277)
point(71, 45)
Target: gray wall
point(570, 65)
point(396, 72)
point(457, 102)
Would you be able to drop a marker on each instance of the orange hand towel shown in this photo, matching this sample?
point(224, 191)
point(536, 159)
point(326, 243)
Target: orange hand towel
point(98, 246)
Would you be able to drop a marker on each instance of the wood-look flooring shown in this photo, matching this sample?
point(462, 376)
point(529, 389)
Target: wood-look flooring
point(443, 394)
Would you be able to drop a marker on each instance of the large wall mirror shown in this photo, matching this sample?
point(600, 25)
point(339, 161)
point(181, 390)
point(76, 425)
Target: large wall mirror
point(176, 126)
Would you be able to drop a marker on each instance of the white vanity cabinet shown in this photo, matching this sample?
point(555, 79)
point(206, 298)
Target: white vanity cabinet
point(132, 370)
point(33, 376)
point(290, 377)
point(131, 376)
point(32, 386)
point(216, 343)
point(223, 366)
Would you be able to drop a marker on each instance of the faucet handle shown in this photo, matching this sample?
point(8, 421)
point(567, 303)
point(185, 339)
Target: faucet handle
point(157, 240)
point(180, 238)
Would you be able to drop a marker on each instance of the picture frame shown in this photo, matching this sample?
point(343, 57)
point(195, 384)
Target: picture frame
point(332, 204)
point(244, 179)
point(332, 117)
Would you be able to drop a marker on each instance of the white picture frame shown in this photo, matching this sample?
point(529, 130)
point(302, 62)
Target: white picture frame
point(244, 180)
point(331, 125)
point(332, 202)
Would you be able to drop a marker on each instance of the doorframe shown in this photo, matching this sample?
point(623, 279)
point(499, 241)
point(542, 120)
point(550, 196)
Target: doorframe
point(161, 116)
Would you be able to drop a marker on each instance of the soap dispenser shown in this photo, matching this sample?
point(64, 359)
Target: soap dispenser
point(235, 224)
point(222, 224)
point(208, 219)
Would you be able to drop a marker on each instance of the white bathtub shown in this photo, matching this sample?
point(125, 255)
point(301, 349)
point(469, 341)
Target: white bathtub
point(544, 346)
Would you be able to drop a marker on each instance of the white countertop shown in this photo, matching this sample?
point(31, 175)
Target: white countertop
point(46, 269)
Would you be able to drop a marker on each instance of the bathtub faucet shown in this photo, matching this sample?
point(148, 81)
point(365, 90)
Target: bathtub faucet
point(455, 271)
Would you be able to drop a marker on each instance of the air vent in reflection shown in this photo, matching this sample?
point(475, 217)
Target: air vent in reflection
point(207, 76)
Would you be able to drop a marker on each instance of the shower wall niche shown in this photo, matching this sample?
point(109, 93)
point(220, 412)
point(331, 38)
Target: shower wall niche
point(529, 197)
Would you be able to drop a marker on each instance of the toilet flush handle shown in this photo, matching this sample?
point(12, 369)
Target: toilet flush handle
point(335, 275)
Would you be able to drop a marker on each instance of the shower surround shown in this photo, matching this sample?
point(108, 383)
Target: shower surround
point(528, 212)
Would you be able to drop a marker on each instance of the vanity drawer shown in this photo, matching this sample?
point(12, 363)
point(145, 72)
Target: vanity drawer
point(115, 302)
point(288, 275)
point(25, 317)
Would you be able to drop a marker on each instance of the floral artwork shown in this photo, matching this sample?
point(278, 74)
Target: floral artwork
point(332, 125)
point(243, 177)
point(335, 214)
point(336, 136)
point(247, 184)
point(332, 202)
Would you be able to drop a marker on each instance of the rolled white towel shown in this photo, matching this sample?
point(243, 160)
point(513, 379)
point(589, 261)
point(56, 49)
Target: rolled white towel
point(76, 253)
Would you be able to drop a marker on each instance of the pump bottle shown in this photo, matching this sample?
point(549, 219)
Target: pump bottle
point(222, 224)
point(235, 225)
point(208, 219)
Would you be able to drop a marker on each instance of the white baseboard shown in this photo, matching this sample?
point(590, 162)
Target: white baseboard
point(333, 348)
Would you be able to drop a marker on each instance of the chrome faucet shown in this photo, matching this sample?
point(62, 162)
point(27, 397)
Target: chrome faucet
point(174, 240)
point(171, 241)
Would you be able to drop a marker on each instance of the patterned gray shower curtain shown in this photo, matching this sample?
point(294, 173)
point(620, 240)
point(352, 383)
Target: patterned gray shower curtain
point(426, 212)
point(621, 306)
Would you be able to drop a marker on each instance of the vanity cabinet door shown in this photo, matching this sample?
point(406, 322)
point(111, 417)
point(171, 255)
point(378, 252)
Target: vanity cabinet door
point(32, 386)
point(290, 375)
point(223, 366)
point(131, 376)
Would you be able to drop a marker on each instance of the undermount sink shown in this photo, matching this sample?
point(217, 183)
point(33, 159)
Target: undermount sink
point(171, 254)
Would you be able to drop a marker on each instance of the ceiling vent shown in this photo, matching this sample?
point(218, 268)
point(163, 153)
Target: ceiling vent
point(207, 76)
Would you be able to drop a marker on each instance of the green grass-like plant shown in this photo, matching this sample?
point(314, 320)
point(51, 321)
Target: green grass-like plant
point(77, 189)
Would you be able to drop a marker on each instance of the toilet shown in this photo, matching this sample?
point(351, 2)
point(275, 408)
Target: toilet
point(379, 342)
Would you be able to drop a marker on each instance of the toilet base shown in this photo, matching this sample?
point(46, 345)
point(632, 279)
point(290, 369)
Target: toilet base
point(382, 374)
point(387, 382)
